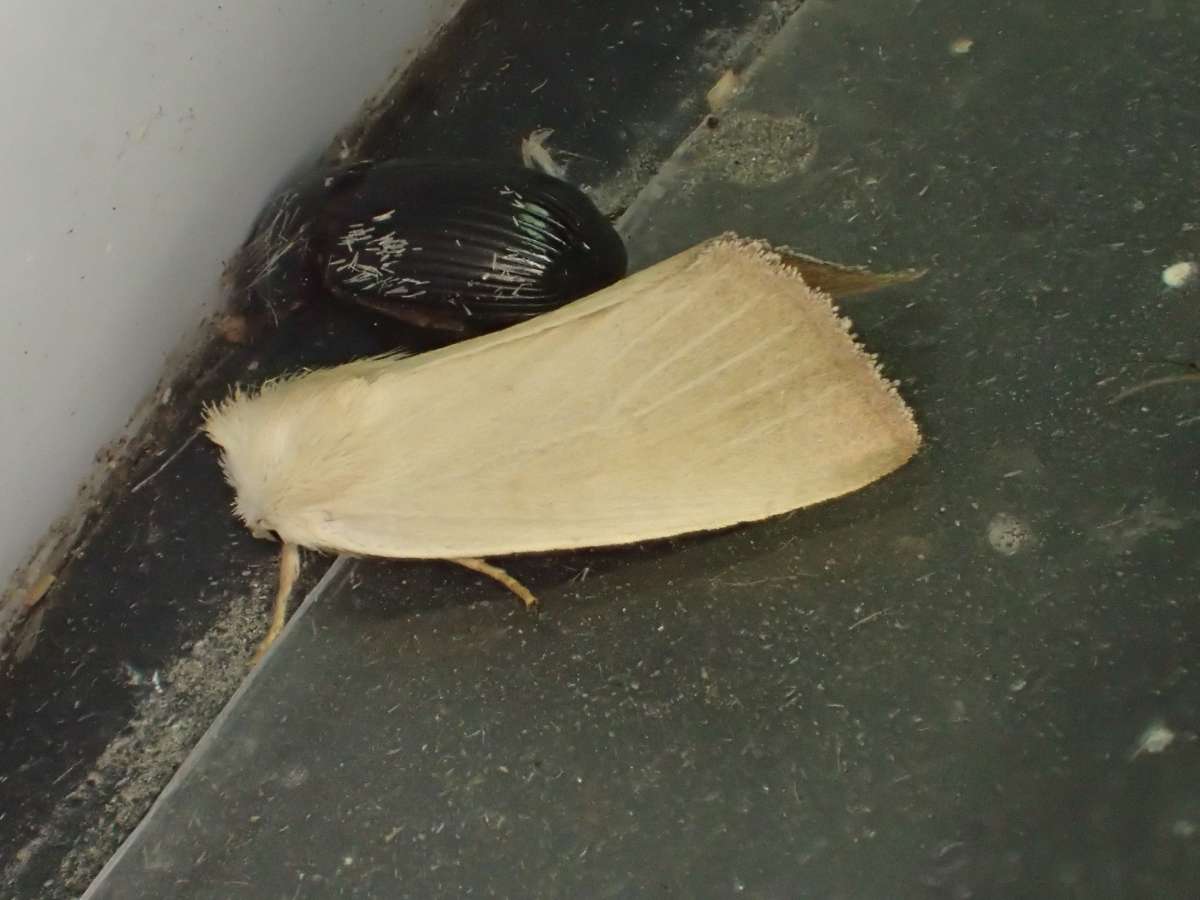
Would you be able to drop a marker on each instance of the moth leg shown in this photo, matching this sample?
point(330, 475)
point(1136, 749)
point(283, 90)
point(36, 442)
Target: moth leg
point(497, 574)
point(289, 571)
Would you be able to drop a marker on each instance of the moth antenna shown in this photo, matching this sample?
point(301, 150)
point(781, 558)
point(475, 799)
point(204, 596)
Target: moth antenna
point(289, 571)
point(497, 574)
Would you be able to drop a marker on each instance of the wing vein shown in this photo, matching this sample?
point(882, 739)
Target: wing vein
point(674, 356)
point(716, 372)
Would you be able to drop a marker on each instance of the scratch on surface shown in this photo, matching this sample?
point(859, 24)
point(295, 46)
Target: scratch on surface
point(872, 617)
point(170, 459)
point(1153, 383)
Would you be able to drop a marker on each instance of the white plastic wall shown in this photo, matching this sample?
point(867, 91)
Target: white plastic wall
point(140, 137)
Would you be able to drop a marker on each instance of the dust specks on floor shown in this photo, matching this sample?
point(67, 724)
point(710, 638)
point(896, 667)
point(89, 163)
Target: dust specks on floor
point(295, 777)
point(1008, 535)
point(913, 546)
point(615, 194)
point(1134, 525)
point(724, 48)
point(754, 149)
point(179, 703)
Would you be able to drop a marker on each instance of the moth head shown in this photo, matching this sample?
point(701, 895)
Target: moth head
point(261, 530)
point(250, 461)
point(247, 507)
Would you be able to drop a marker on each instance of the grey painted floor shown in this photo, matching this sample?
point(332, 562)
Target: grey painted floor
point(974, 679)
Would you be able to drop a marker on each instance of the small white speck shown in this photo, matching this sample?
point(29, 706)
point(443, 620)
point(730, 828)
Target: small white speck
point(132, 676)
point(1179, 274)
point(1155, 739)
point(347, 860)
point(961, 46)
point(383, 217)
